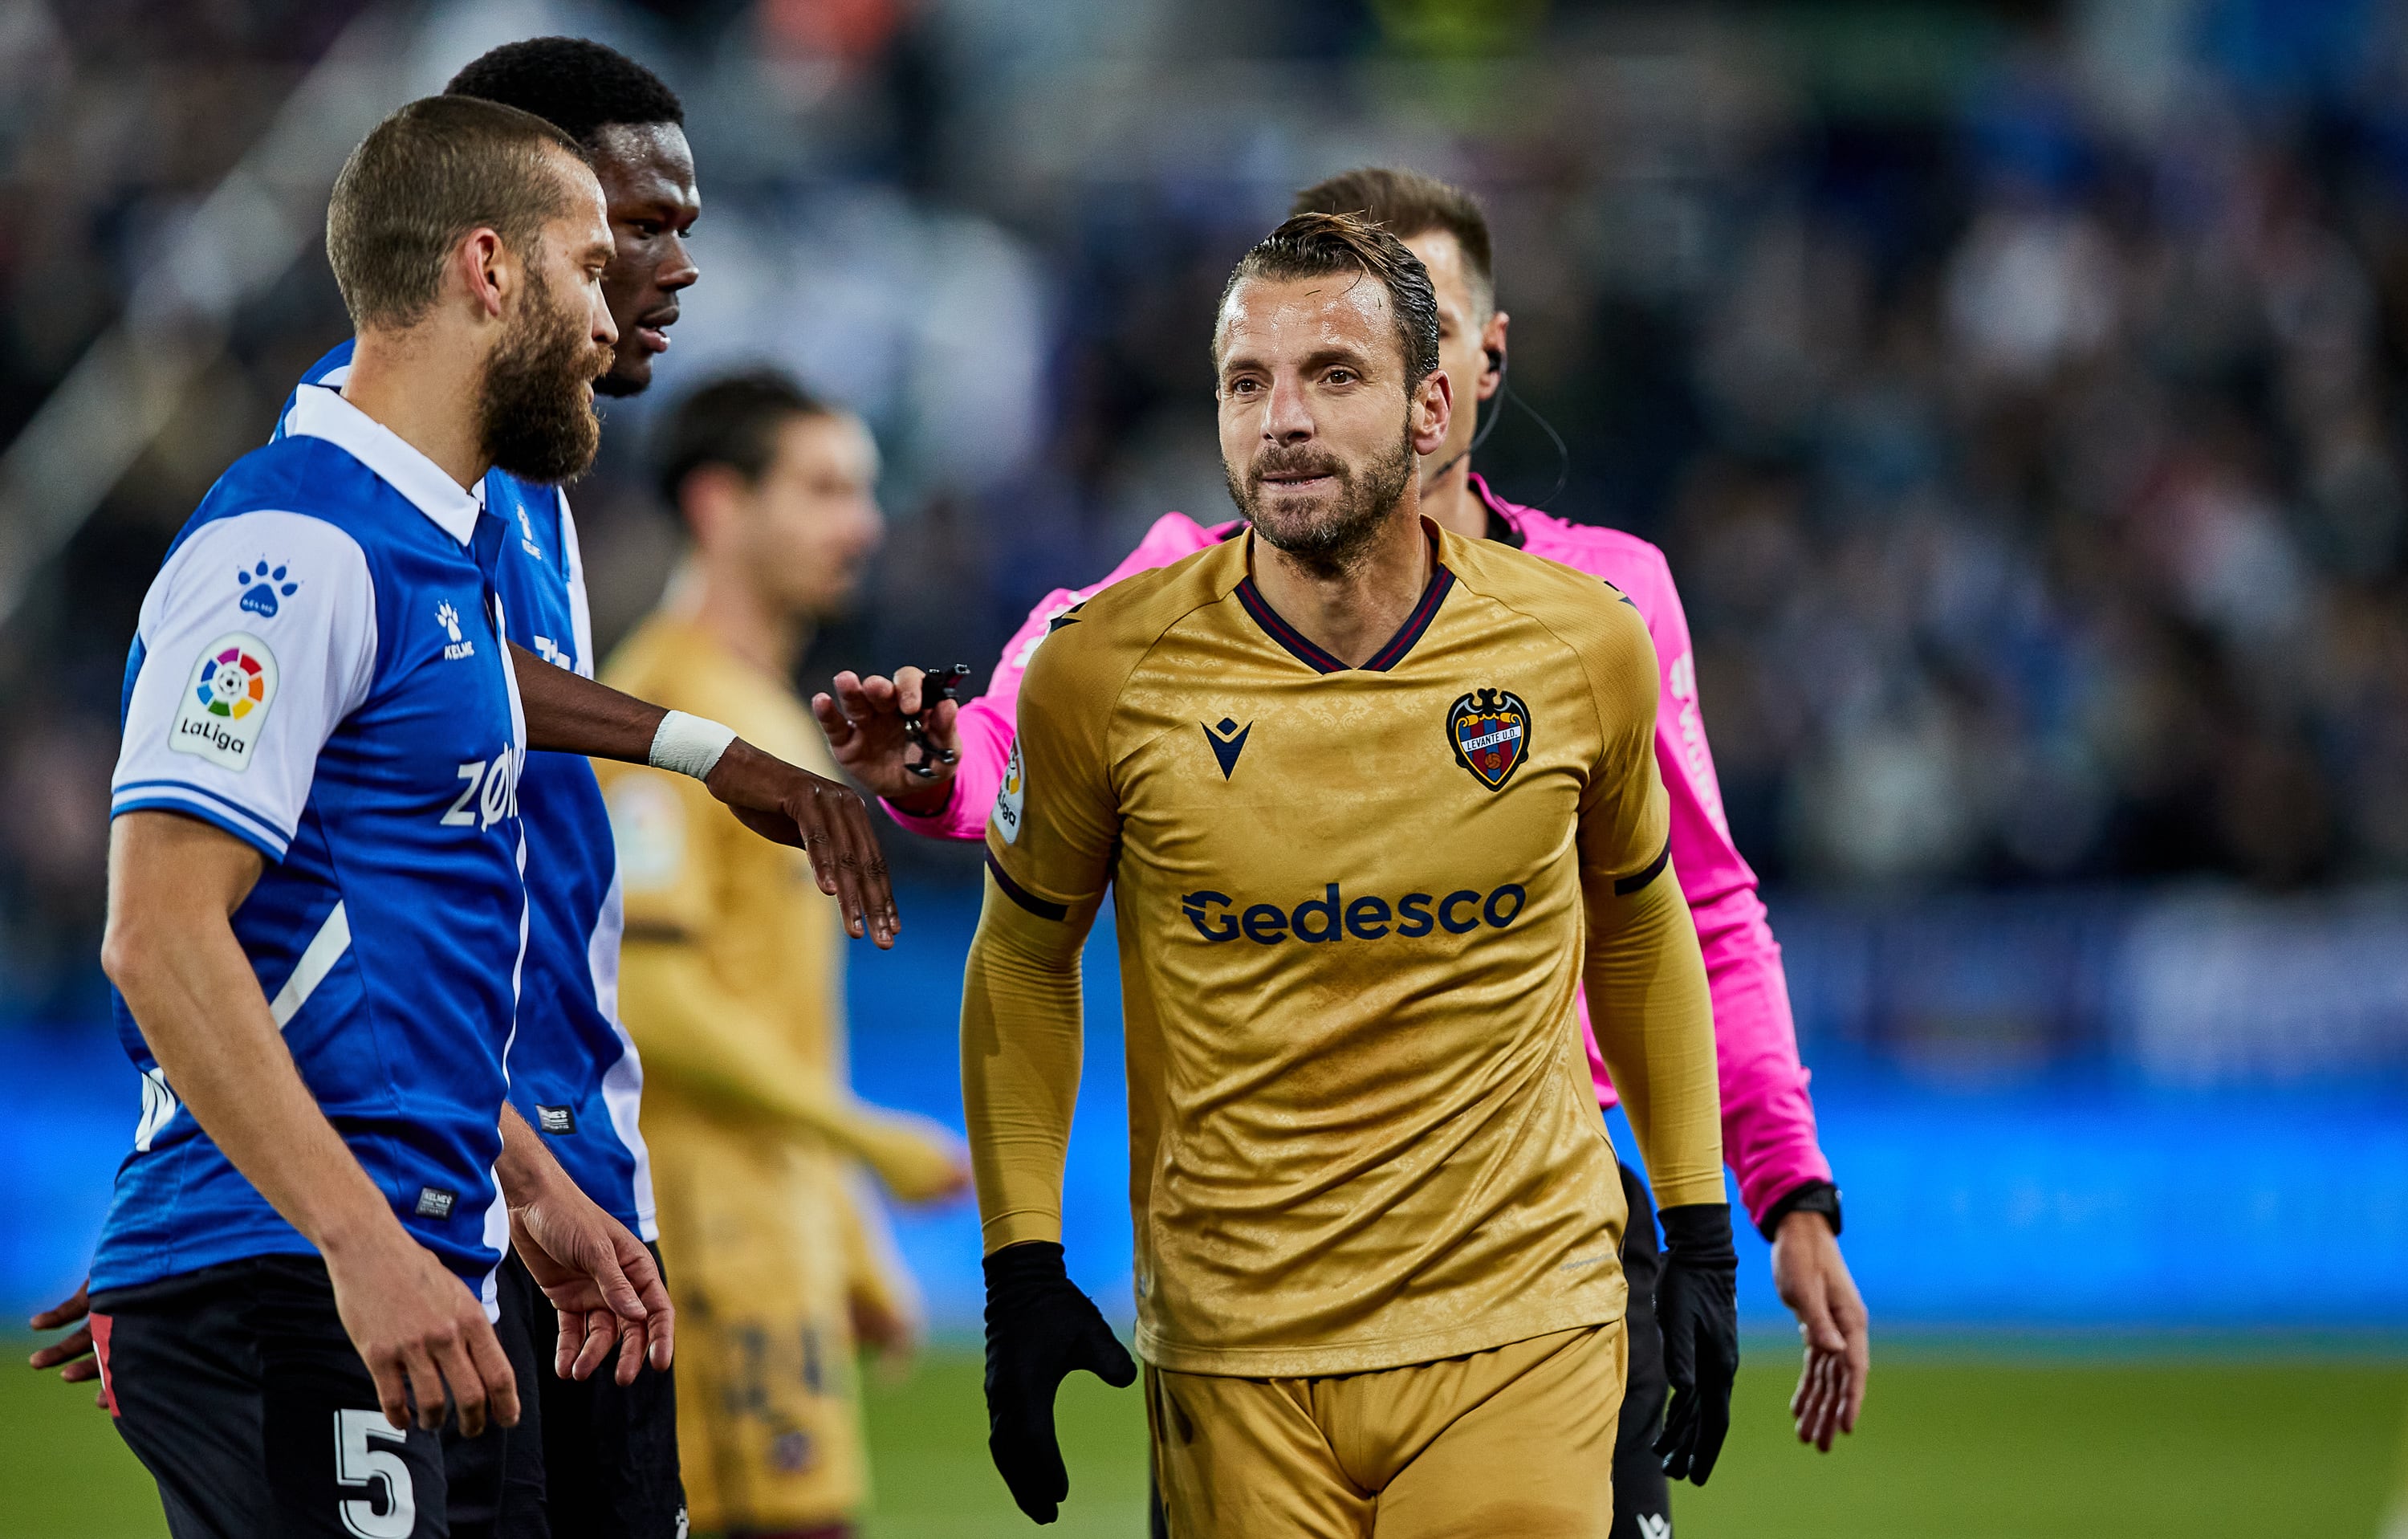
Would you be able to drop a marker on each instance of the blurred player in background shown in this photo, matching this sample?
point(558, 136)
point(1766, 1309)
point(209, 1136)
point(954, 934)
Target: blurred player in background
point(1371, 801)
point(1768, 1117)
point(733, 985)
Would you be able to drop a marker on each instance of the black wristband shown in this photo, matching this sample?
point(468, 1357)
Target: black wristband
point(1806, 1197)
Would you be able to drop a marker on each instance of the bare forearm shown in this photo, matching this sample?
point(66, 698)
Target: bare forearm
point(199, 1006)
point(527, 1169)
point(696, 1035)
point(569, 713)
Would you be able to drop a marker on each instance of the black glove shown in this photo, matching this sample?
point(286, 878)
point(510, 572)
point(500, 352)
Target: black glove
point(1038, 1328)
point(1697, 1307)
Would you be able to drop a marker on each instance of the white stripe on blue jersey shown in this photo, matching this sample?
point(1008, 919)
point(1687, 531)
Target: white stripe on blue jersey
point(320, 671)
point(575, 1075)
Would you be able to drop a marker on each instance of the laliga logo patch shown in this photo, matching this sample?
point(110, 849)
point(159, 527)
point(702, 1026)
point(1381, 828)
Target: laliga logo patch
point(226, 701)
point(1490, 733)
point(1011, 796)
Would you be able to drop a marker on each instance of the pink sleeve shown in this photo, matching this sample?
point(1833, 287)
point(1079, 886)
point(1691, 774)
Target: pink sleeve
point(987, 724)
point(1768, 1118)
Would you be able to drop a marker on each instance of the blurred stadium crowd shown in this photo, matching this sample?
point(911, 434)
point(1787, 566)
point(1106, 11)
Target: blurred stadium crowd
point(2010, 384)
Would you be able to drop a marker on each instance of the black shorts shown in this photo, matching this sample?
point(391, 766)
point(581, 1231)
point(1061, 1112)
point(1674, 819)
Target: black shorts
point(609, 1454)
point(239, 1392)
point(1643, 1501)
point(497, 1478)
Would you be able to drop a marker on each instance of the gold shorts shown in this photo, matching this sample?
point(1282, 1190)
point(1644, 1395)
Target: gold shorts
point(1515, 1440)
point(768, 1411)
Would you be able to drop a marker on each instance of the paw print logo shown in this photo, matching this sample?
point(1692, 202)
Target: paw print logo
point(449, 618)
point(259, 587)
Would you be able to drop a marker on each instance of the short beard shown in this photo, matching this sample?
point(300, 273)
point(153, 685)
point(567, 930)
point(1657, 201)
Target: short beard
point(534, 417)
point(1329, 539)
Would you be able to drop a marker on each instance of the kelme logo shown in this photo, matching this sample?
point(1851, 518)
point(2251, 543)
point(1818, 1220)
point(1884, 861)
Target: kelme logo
point(261, 587)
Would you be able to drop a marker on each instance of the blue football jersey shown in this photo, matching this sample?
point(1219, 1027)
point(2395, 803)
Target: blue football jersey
point(319, 670)
point(574, 1073)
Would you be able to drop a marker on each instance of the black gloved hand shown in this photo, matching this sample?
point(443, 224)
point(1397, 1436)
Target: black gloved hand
point(1697, 1307)
point(1038, 1328)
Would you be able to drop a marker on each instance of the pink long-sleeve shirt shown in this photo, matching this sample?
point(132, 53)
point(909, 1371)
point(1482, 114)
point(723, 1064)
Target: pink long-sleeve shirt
point(1767, 1116)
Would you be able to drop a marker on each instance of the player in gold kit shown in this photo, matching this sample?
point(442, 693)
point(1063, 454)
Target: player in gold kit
point(732, 984)
point(1374, 800)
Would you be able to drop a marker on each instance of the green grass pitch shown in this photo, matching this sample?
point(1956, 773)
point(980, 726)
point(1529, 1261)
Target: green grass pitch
point(1980, 1445)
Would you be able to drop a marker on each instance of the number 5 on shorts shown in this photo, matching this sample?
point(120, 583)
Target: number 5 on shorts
point(356, 1464)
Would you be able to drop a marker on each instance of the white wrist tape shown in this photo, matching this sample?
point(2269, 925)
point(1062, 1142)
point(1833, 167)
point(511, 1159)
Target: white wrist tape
point(690, 745)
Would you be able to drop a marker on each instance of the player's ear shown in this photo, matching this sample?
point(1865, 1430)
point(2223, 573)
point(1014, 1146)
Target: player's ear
point(1433, 408)
point(484, 267)
point(1492, 344)
point(711, 498)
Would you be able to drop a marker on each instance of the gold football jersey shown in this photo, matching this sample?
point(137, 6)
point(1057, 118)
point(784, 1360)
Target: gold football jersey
point(732, 984)
point(1352, 906)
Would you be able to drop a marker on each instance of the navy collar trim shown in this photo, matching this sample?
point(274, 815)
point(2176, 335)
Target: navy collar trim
point(1387, 657)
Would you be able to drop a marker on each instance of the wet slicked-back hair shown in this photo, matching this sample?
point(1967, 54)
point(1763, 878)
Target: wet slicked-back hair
point(422, 179)
point(579, 86)
point(1407, 204)
point(1310, 244)
point(732, 421)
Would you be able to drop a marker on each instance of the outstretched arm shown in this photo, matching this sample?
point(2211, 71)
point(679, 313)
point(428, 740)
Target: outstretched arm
point(694, 1032)
point(571, 714)
point(863, 717)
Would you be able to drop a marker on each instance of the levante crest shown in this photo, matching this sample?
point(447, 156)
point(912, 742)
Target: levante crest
point(1490, 732)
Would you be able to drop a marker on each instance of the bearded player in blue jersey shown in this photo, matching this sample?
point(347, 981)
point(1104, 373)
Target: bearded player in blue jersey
point(609, 1447)
point(605, 1459)
point(318, 922)
point(605, 1451)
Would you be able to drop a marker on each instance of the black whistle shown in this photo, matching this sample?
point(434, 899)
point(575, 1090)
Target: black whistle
point(946, 682)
